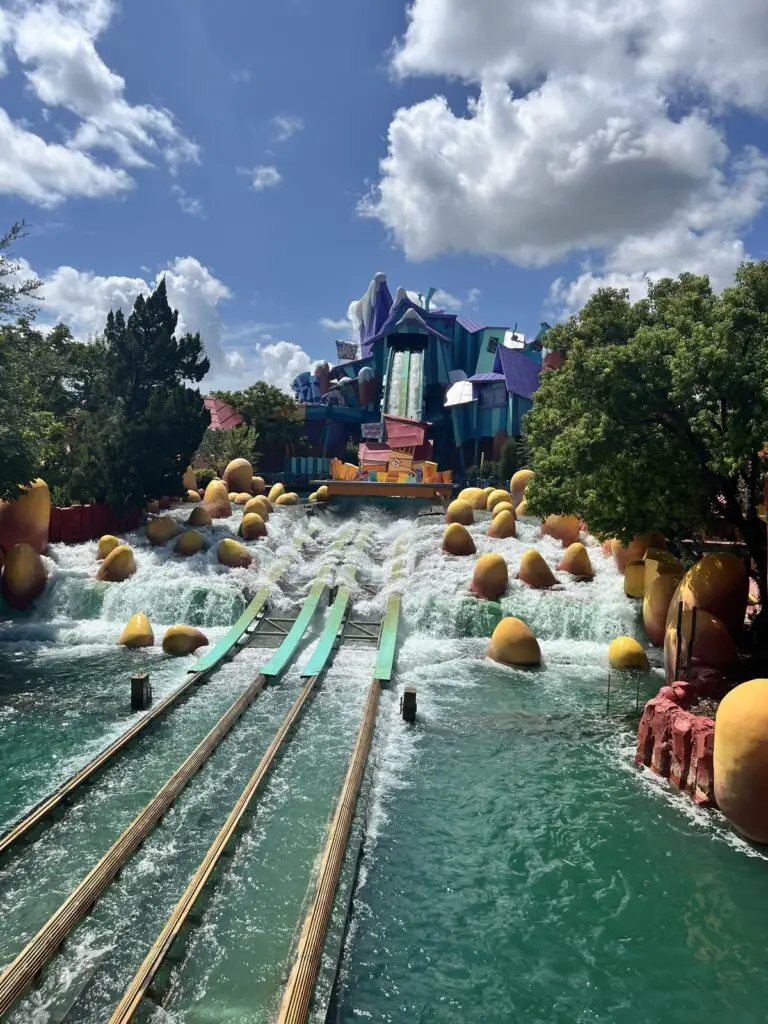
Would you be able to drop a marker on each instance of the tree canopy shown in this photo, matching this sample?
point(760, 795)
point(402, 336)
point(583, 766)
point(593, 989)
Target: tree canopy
point(659, 417)
point(275, 418)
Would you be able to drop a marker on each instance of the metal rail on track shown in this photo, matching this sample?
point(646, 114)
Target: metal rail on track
point(17, 978)
point(24, 828)
point(172, 930)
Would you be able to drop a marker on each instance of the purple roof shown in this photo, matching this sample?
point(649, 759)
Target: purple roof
point(396, 314)
point(486, 378)
point(520, 371)
point(468, 324)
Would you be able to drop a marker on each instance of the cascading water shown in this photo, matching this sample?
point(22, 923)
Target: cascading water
point(516, 867)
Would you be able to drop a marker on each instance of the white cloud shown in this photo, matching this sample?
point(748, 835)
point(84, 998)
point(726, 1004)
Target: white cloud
point(287, 126)
point(473, 296)
point(54, 41)
point(234, 360)
point(278, 362)
point(263, 177)
point(334, 325)
point(187, 203)
point(601, 145)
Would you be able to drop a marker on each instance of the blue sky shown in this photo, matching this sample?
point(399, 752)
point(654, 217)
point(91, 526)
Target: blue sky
point(242, 152)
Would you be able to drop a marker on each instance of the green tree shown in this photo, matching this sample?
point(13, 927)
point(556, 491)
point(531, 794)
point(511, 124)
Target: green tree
point(659, 417)
point(508, 462)
point(219, 447)
point(139, 425)
point(275, 417)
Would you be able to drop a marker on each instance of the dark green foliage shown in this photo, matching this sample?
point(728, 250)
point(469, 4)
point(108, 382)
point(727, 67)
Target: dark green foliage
point(220, 447)
point(508, 463)
point(13, 291)
point(204, 477)
point(659, 417)
point(276, 419)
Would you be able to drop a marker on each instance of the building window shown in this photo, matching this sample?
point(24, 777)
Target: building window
point(493, 344)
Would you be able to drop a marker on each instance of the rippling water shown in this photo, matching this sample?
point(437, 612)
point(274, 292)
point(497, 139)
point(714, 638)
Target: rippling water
point(515, 866)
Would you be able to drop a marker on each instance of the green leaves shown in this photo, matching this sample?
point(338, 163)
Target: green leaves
point(276, 419)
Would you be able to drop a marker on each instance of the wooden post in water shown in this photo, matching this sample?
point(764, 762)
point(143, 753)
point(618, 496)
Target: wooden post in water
point(408, 704)
point(141, 692)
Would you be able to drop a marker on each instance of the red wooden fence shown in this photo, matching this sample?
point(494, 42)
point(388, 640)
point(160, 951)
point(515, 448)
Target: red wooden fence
point(78, 523)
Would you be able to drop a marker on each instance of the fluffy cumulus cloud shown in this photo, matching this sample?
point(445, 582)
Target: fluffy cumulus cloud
point(593, 127)
point(287, 125)
point(264, 176)
point(54, 42)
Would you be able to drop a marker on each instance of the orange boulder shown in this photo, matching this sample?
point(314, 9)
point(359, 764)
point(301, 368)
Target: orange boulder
point(457, 540)
point(490, 578)
point(23, 576)
point(503, 525)
point(576, 562)
point(562, 528)
point(27, 519)
point(535, 572)
point(216, 500)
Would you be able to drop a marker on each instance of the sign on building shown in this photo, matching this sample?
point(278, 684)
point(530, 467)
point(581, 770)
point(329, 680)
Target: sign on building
point(346, 351)
point(372, 431)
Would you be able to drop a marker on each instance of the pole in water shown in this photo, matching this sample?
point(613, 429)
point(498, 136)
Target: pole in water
point(141, 692)
point(608, 697)
point(408, 704)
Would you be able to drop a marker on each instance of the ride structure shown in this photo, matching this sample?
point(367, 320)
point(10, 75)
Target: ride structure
point(419, 372)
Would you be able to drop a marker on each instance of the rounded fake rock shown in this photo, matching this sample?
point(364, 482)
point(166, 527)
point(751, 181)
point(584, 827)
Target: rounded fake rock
point(259, 505)
point(496, 497)
point(719, 584)
point(576, 561)
point(513, 643)
point(635, 550)
point(457, 540)
point(322, 493)
point(200, 516)
point(312, 499)
point(183, 640)
point(460, 511)
point(503, 525)
point(290, 498)
point(535, 572)
point(257, 485)
point(656, 602)
point(216, 500)
point(137, 632)
point(518, 483)
point(626, 652)
point(233, 554)
point(189, 543)
point(158, 531)
point(563, 528)
point(474, 496)
point(238, 475)
point(193, 497)
point(118, 565)
point(189, 480)
point(107, 543)
point(634, 579)
point(522, 509)
point(741, 759)
point(27, 519)
point(275, 491)
point(243, 498)
point(232, 495)
point(503, 506)
point(23, 576)
point(713, 645)
point(490, 578)
point(253, 526)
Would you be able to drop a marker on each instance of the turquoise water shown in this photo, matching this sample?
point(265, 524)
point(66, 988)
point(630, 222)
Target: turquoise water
point(515, 865)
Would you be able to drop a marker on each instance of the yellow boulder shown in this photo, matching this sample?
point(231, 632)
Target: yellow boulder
point(496, 497)
point(183, 640)
point(118, 565)
point(513, 643)
point(259, 505)
point(290, 498)
point(189, 480)
point(566, 529)
point(312, 499)
point(232, 495)
point(107, 543)
point(275, 491)
point(518, 484)
point(635, 550)
point(576, 561)
point(257, 485)
point(238, 475)
point(488, 490)
point(243, 498)
point(535, 572)
point(741, 759)
point(233, 554)
point(137, 632)
point(252, 526)
point(634, 579)
point(660, 563)
point(503, 525)
point(27, 519)
point(189, 543)
point(322, 493)
point(712, 643)
point(216, 500)
point(720, 585)
point(23, 575)
point(522, 509)
point(160, 530)
point(503, 506)
point(193, 497)
point(624, 652)
point(457, 540)
point(490, 578)
point(200, 516)
point(656, 602)
point(474, 496)
point(460, 511)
